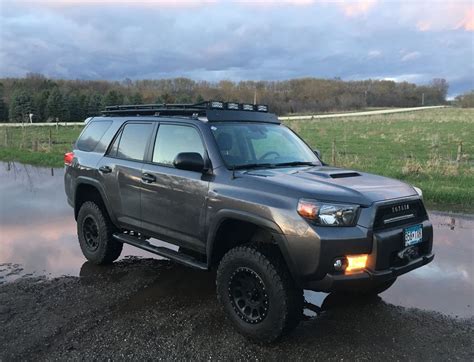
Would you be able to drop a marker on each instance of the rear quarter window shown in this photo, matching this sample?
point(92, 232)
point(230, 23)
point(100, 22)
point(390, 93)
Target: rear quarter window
point(92, 134)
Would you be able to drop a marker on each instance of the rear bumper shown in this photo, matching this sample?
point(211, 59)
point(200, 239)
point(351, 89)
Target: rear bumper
point(366, 278)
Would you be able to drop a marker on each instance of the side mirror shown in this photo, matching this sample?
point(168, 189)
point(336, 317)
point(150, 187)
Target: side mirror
point(317, 153)
point(190, 161)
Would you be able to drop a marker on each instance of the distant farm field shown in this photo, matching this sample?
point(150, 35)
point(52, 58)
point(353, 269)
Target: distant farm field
point(432, 149)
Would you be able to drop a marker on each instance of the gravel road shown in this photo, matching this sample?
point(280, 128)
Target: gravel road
point(148, 308)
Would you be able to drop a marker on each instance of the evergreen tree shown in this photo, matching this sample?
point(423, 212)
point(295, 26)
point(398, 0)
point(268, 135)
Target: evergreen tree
point(56, 107)
point(74, 108)
point(40, 101)
point(94, 105)
point(83, 104)
point(136, 98)
point(3, 106)
point(113, 98)
point(20, 106)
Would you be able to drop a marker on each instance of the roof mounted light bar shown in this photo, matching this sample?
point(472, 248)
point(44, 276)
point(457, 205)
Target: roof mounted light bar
point(233, 106)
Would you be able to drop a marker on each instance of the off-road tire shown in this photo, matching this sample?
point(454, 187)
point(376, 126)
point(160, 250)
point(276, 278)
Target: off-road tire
point(285, 299)
point(99, 248)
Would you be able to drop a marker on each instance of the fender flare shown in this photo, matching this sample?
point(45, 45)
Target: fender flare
point(82, 180)
point(266, 224)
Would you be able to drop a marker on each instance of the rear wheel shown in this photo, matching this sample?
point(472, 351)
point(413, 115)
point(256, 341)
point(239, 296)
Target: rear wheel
point(258, 293)
point(95, 231)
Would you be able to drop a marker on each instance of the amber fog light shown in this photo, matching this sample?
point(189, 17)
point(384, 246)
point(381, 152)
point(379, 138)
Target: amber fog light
point(340, 264)
point(356, 262)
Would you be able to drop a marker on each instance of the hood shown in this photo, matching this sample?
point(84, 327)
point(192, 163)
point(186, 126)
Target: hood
point(335, 184)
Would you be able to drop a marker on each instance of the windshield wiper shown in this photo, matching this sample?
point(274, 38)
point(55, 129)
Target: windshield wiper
point(296, 163)
point(252, 165)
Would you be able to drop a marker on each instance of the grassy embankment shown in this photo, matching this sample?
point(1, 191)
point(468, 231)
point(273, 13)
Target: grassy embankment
point(421, 148)
point(37, 145)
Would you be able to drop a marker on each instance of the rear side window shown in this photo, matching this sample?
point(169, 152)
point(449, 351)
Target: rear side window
point(133, 141)
point(92, 135)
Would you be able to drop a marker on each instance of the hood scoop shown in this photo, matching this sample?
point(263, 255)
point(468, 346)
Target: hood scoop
point(334, 173)
point(344, 174)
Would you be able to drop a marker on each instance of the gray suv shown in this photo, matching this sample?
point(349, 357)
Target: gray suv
point(237, 191)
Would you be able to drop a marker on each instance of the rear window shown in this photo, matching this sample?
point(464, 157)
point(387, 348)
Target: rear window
point(133, 141)
point(92, 135)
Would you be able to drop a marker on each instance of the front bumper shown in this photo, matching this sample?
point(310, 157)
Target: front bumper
point(365, 279)
point(383, 263)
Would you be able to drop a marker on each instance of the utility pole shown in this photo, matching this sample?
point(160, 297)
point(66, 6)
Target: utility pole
point(255, 96)
point(422, 99)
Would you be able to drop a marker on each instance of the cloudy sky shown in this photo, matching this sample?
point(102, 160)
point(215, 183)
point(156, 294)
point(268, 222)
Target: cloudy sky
point(413, 40)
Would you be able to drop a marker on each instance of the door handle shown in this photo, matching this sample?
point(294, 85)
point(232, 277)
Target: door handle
point(105, 169)
point(147, 178)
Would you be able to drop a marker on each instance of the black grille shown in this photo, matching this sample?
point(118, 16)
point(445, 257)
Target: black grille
point(400, 213)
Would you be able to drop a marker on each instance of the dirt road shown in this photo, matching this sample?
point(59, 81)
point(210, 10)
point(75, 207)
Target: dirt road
point(149, 309)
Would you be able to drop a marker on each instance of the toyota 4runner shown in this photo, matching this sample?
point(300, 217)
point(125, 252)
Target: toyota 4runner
point(236, 190)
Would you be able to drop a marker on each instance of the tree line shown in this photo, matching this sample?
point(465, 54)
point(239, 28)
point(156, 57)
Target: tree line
point(74, 100)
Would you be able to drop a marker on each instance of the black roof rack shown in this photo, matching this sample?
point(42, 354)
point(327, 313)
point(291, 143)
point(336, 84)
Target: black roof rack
point(212, 110)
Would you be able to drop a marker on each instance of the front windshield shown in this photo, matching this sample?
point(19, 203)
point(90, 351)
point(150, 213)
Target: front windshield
point(245, 145)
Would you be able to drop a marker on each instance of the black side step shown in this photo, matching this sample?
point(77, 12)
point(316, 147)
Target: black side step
point(162, 251)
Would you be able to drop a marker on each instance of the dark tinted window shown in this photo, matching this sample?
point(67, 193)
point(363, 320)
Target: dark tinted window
point(174, 139)
point(92, 135)
point(133, 140)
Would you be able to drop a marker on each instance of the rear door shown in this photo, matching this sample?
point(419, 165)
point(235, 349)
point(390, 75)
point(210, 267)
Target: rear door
point(174, 201)
point(121, 171)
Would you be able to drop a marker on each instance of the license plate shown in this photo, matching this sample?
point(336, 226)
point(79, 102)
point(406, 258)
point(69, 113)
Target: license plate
point(413, 235)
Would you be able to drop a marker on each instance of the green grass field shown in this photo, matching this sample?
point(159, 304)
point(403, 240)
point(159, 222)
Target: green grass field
point(421, 148)
point(41, 146)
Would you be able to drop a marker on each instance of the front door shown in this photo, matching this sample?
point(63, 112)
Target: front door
point(174, 201)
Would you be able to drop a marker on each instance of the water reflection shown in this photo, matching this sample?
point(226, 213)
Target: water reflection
point(38, 236)
point(37, 227)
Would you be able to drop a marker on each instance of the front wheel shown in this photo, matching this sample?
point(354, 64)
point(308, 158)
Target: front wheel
point(258, 293)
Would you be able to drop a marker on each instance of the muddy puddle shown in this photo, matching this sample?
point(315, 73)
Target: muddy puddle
point(38, 238)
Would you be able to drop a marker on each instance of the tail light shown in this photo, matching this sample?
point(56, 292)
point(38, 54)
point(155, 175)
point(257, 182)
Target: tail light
point(68, 157)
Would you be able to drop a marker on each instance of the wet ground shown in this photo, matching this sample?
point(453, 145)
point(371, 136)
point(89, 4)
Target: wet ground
point(54, 305)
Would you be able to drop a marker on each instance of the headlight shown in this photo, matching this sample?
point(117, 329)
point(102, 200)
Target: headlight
point(328, 214)
point(418, 191)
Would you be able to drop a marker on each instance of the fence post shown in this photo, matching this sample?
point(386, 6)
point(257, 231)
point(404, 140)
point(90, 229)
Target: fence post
point(459, 155)
point(50, 141)
point(6, 137)
point(334, 152)
point(23, 134)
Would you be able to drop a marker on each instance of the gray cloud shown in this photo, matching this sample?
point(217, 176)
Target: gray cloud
point(228, 41)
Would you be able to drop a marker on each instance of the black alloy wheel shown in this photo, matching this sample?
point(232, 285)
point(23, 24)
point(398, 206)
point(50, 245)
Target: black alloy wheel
point(90, 231)
point(248, 295)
